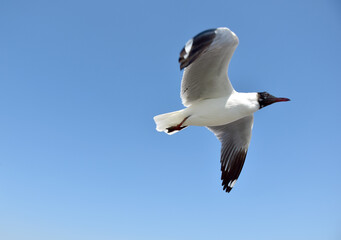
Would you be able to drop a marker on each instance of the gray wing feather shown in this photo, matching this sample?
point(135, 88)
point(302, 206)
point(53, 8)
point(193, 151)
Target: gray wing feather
point(206, 58)
point(235, 138)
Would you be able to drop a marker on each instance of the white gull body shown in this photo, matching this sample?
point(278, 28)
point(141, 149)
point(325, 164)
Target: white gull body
point(218, 111)
point(211, 100)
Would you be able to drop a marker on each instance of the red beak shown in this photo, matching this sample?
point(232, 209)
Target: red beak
point(280, 99)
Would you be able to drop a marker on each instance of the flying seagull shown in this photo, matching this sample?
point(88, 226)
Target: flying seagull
point(211, 101)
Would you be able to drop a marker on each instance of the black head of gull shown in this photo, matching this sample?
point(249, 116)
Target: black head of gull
point(265, 99)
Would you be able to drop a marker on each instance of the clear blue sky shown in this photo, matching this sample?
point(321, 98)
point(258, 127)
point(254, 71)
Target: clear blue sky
point(80, 157)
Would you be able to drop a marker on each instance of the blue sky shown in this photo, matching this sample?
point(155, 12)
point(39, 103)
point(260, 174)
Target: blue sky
point(80, 157)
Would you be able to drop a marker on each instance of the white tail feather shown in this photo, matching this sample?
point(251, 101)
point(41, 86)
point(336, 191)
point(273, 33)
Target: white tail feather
point(167, 120)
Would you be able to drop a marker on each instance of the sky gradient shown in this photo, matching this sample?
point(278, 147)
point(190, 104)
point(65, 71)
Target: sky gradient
point(80, 157)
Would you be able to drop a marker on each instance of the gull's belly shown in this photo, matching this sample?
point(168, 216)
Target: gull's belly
point(215, 112)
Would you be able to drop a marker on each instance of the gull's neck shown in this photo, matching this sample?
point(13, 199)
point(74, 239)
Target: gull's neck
point(250, 99)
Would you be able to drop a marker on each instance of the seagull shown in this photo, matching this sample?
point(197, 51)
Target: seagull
point(211, 101)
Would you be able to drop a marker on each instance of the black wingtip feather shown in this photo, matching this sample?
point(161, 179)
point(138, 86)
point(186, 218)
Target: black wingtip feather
point(200, 43)
point(233, 169)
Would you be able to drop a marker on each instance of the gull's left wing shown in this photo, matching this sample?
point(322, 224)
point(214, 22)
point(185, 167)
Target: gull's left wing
point(235, 138)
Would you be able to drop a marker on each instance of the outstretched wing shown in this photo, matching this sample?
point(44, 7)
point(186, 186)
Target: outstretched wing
point(235, 138)
point(205, 59)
